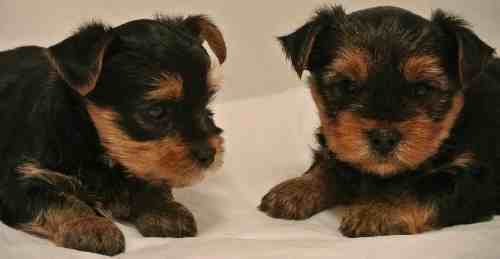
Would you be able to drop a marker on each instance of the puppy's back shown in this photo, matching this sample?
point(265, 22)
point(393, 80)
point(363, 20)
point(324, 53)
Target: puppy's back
point(493, 70)
point(36, 108)
point(20, 68)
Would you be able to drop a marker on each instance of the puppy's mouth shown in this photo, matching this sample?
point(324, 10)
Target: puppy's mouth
point(382, 163)
point(373, 161)
point(185, 171)
point(217, 163)
point(195, 167)
point(381, 148)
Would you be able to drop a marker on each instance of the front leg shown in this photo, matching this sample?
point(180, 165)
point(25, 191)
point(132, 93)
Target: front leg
point(388, 216)
point(458, 193)
point(155, 213)
point(301, 197)
point(47, 203)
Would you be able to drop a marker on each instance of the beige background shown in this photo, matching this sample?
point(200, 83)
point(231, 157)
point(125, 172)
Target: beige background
point(267, 139)
point(256, 65)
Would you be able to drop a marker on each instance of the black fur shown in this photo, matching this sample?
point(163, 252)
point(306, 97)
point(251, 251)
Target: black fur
point(44, 95)
point(458, 194)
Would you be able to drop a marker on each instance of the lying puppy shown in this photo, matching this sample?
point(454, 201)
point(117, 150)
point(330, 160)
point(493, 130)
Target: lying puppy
point(102, 125)
point(410, 122)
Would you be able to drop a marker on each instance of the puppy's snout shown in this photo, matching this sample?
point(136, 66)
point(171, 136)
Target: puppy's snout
point(383, 140)
point(203, 154)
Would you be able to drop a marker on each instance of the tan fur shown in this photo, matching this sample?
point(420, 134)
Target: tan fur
point(301, 197)
point(464, 160)
point(48, 221)
point(176, 221)
point(425, 68)
point(33, 170)
point(388, 217)
point(352, 62)
point(214, 38)
point(93, 234)
point(166, 158)
point(167, 86)
point(75, 225)
point(422, 137)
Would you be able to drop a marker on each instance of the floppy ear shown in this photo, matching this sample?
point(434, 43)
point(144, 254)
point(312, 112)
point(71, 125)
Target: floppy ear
point(299, 44)
point(205, 29)
point(471, 53)
point(78, 59)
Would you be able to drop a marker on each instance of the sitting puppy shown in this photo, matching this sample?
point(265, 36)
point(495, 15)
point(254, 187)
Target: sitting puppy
point(102, 125)
point(409, 136)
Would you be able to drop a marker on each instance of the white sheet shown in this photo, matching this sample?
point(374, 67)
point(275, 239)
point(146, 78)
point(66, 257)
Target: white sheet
point(268, 141)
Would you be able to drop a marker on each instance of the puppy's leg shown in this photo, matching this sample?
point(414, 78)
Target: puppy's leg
point(301, 197)
point(388, 216)
point(52, 210)
point(155, 213)
point(458, 193)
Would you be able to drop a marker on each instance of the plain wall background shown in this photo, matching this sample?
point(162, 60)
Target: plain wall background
point(256, 65)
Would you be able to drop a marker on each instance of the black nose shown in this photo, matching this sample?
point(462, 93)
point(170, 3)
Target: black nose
point(383, 140)
point(204, 155)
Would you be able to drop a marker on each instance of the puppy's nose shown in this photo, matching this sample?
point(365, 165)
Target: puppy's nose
point(204, 155)
point(383, 140)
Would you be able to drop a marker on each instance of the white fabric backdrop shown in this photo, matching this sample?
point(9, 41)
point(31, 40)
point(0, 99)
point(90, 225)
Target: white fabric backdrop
point(256, 65)
point(268, 140)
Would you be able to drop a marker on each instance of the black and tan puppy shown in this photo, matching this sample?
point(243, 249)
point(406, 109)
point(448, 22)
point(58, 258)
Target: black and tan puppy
point(410, 121)
point(102, 125)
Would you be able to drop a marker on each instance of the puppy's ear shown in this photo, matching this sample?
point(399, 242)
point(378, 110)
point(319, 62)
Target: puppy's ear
point(78, 59)
point(205, 29)
point(470, 53)
point(299, 44)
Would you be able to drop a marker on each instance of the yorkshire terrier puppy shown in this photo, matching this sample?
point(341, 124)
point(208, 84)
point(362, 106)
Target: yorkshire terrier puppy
point(409, 136)
point(102, 125)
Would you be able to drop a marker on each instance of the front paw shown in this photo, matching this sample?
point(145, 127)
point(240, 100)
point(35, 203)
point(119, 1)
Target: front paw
point(174, 220)
point(91, 234)
point(297, 198)
point(379, 219)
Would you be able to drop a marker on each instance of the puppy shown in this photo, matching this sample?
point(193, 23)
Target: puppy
point(102, 125)
point(409, 136)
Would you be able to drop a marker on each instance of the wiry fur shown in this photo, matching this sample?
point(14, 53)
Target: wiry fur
point(429, 90)
point(103, 125)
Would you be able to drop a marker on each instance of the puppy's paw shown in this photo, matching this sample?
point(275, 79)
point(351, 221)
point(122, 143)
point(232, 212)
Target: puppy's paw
point(91, 234)
point(173, 221)
point(297, 198)
point(380, 219)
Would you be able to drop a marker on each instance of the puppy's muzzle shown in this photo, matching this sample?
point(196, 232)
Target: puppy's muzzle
point(203, 154)
point(383, 140)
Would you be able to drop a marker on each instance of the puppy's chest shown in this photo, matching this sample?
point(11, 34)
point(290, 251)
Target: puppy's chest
point(357, 183)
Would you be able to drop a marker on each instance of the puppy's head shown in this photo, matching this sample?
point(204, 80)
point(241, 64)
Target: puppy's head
point(147, 85)
point(388, 84)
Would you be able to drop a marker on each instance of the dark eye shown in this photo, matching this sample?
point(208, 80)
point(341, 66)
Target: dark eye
point(156, 112)
point(347, 85)
point(422, 89)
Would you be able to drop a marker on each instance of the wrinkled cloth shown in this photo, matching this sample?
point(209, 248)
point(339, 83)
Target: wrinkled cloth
point(268, 140)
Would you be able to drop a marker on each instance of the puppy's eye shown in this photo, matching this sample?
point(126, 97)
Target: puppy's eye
point(156, 112)
point(422, 89)
point(347, 85)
